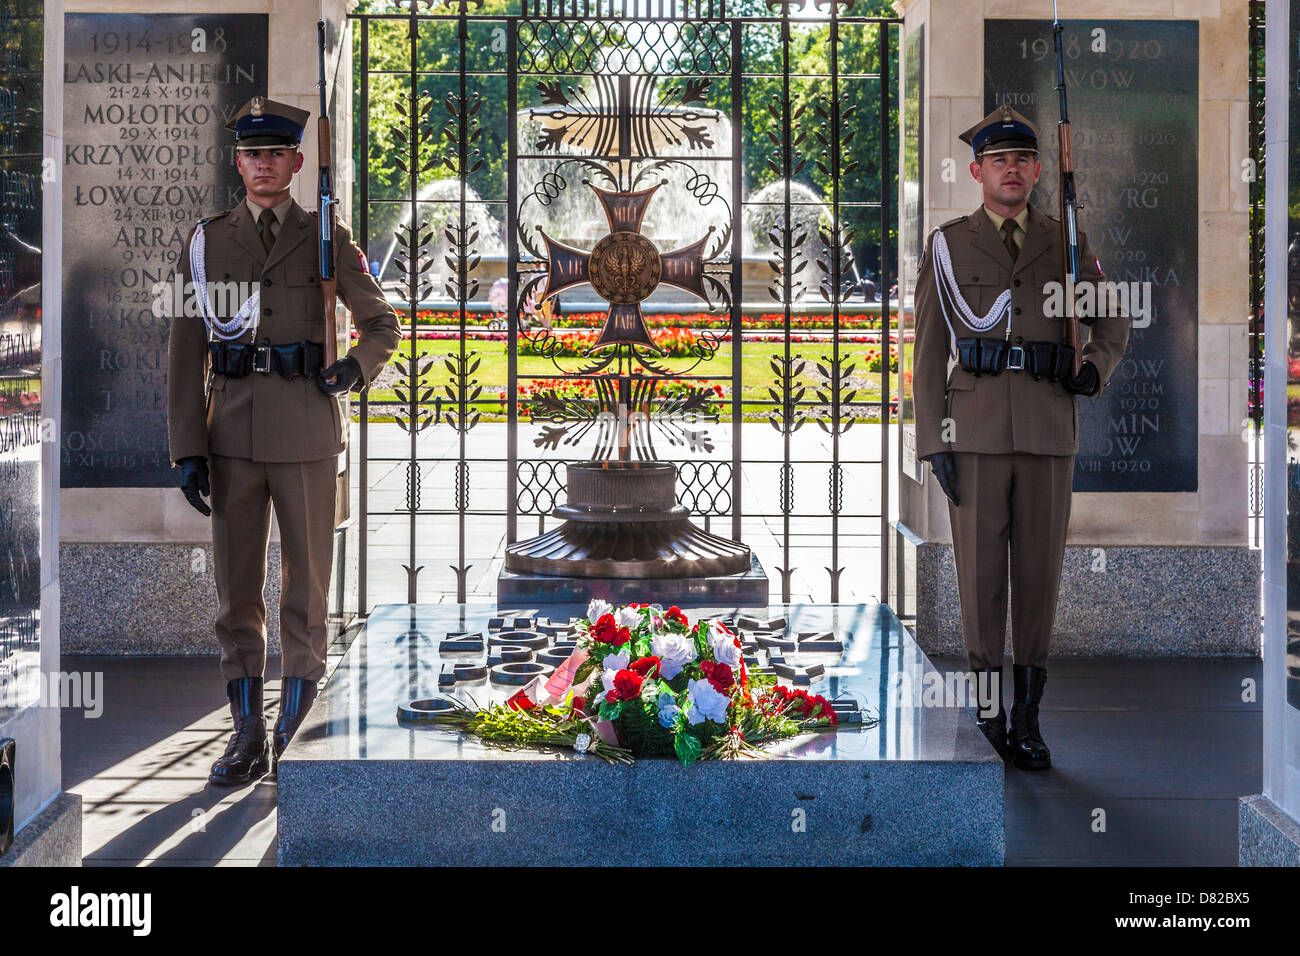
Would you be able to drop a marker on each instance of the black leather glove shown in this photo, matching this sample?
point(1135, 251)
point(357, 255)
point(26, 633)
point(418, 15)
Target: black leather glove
point(194, 482)
point(944, 466)
point(1087, 382)
point(340, 376)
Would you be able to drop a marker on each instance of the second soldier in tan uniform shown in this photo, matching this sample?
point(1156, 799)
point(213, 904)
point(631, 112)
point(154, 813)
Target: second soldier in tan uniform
point(996, 416)
point(267, 429)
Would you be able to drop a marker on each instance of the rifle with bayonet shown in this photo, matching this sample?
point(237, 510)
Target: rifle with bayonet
point(326, 214)
point(1069, 204)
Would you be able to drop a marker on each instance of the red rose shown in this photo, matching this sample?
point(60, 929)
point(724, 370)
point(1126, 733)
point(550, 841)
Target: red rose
point(674, 613)
point(622, 636)
point(823, 710)
point(719, 675)
point(722, 677)
point(520, 701)
point(646, 666)
point(579, 705)
point(627, 686)
point(604, 630)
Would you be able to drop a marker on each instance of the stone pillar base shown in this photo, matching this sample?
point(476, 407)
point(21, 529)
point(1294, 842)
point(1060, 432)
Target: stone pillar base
point(157, 598)
point(53, 838)
point(1115, 601)
point(1266, 835)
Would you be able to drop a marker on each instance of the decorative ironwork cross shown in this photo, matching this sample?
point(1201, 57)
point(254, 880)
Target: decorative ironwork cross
point(624, 267)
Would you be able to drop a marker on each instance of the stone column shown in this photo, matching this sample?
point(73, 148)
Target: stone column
point(1157, 549)
point(1268, 823)
point(47, 821)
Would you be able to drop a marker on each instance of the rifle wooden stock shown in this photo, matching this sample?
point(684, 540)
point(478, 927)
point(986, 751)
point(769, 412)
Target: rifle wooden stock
point(1072, 337)
point(328, 286)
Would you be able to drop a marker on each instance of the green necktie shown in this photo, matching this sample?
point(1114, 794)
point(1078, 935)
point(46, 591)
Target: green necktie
point(1008, 234)
point(266, 228)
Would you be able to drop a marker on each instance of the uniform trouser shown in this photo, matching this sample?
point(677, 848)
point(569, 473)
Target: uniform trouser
point(1018, 503)
point(243, 492)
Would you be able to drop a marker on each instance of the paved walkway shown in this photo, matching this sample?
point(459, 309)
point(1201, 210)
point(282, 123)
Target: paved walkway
point(1162, 748)
point(438, 536)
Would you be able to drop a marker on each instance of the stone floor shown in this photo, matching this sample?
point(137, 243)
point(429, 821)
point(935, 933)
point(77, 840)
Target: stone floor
point(438, 536)
point(1150, 757)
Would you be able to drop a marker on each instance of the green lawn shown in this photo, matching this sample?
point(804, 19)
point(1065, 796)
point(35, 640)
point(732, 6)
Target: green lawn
point(757, 374)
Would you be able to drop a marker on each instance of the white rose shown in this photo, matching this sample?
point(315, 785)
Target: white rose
point(674, 651)
point(598, 609)
point(613, 664)
point(725, 646)
point(628, 617)
point(706, 703)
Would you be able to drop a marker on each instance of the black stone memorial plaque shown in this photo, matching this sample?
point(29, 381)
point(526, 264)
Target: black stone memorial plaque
point(1133, 89)
point(146, 153)
point(22, 30)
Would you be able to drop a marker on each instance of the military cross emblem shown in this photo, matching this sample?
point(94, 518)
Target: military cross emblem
point(624, 267)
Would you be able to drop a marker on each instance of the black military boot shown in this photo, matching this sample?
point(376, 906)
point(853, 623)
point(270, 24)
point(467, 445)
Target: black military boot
point(1024, 740)
point(246, 754)
point(991, 718)
point(296, 696)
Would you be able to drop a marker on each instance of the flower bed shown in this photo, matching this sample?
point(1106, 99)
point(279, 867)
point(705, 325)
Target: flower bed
point(696, 320)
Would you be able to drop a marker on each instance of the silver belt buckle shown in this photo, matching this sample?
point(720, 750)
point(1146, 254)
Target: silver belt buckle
point(262, 359)
point(1016, 359)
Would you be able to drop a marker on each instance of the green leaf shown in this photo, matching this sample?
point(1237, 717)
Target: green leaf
point(687, 747)
point(584, 670)
point(650, 692)
point(610, 711)
point(702, 640)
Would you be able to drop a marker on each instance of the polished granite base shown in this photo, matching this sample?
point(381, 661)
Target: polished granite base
point(360, 787)
point(173, 615)
point(744, 589)
point(1189, 601)
point(1266, 835)
point(51, 838)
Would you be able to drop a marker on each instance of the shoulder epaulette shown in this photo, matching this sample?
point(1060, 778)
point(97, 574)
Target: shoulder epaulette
point(216, 215)
point(952, 222)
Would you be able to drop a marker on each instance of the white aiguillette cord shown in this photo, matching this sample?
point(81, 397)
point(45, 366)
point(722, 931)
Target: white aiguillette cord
point(235, 327)
point(951, 299)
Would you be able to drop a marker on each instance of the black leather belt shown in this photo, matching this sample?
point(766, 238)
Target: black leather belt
point(237, 359)
point(1053, 361)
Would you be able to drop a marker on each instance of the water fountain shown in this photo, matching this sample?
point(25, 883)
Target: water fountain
point(438, 205)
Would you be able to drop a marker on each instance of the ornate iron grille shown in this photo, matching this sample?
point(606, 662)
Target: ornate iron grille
point(737, 136)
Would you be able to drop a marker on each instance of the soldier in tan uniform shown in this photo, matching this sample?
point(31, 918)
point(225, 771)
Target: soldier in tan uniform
point(253, 416)
point(996, 416)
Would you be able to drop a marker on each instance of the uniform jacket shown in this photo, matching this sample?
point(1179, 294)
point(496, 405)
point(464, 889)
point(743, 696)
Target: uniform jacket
point(267, 417)
point(1008, 412)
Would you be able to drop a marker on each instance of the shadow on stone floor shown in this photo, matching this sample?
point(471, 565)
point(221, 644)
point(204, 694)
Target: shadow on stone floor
point(1163, 748)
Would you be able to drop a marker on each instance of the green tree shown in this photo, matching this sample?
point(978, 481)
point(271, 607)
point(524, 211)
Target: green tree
point(437, 52)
